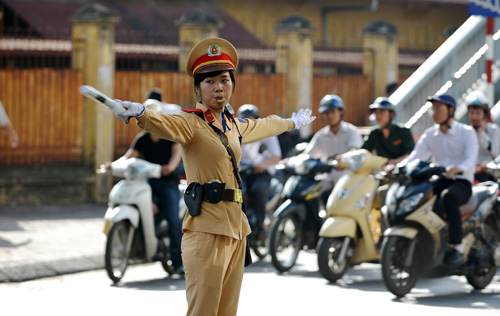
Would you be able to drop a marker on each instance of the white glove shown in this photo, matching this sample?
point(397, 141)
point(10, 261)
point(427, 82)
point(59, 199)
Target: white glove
point(302, 118)
point(132, 109)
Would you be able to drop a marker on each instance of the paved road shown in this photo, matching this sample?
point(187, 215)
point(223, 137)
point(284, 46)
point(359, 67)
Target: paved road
point(60, 240)
point(50, 240)
point(146, 289)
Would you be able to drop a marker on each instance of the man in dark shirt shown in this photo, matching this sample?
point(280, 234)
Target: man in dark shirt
point(389, 139)
point(165, 189)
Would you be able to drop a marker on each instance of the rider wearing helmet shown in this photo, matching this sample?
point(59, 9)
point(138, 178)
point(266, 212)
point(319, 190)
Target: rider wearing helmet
point(261, 156)
point(388, 139)
point(488, 134)
point(454, 146)
point(248, 111)
point(337, 137)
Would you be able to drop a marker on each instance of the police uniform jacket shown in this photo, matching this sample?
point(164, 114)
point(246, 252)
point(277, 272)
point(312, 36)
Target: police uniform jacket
point(205, 159)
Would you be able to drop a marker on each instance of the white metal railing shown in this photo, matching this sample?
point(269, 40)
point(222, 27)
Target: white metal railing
point(456, 67)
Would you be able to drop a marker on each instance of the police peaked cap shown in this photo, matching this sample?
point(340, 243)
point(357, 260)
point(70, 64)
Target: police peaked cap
point(211, 54)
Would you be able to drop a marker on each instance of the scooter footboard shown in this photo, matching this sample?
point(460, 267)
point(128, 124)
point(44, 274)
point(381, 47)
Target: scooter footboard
point(403, 231)
point(338, 227)
point(122, 212)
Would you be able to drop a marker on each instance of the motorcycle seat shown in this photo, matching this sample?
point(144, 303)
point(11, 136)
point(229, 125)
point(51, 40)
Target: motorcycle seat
point(479, 193)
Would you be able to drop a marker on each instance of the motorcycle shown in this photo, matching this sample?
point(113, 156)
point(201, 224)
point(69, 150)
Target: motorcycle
point(260, 246)
point(415, 244)
point(352, 226)
point(298, 219)
point(134, 234)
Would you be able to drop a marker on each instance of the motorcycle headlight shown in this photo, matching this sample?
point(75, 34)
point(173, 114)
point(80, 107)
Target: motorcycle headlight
point(408, 204)
point(299, 164)
point(355, 161)
point(131, 171)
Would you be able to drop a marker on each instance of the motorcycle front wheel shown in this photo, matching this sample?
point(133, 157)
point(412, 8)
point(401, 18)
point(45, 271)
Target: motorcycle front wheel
point(285, 242)
point(118, 244)
point(398, 278)
point(330, 267)
point(481, 276)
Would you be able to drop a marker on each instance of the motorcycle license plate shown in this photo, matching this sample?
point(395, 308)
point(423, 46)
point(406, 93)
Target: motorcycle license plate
point(107, 225)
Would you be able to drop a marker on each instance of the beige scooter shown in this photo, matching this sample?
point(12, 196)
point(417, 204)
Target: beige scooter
point(352, 228)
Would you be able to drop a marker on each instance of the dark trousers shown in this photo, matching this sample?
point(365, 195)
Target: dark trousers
point(258, 186)
point(168, 196)
point(451, 194)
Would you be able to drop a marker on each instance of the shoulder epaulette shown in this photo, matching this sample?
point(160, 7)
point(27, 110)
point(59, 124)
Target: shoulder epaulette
point(198, 112)
point(192, 110)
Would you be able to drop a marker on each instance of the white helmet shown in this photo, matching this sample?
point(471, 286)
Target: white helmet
point(477, 99)
point(162, 107)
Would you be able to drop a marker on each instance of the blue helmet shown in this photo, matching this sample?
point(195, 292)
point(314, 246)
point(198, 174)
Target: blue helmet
point(330, 102)
point(382, 103)
point(444, 98)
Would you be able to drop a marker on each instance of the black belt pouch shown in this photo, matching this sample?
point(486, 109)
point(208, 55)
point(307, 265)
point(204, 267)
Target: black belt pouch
point(193, 197)
point(214, 191)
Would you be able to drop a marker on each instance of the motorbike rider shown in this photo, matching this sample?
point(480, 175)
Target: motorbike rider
point(261, 156)
point(165, 189)
point(452, 145)
point(488, 134)
point(336, 138)
point(389, 139)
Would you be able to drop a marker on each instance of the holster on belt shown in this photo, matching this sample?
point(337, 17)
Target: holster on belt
point(213, 191)
point(193, 196)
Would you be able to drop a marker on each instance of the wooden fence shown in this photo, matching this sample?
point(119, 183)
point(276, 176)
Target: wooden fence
point(46, 109)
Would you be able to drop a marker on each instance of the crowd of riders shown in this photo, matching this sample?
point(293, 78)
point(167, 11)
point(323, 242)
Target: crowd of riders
point(463, 149)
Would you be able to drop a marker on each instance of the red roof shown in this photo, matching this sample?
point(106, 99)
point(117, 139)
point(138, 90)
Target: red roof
point(140, 22)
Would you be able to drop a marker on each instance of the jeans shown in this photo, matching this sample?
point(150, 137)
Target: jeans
point(451, 194)
point(168, 196)
point(258, 186)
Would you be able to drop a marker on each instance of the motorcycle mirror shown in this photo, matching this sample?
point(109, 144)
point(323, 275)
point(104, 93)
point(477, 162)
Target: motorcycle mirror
point(262, 148)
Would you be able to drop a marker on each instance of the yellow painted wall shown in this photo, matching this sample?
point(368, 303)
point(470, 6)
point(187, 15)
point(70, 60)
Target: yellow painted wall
point(421, 24)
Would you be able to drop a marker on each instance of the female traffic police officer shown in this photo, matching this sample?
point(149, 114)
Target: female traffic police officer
point(213, 244)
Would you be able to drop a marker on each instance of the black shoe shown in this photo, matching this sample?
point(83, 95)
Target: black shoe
point(453, 258)
point(179, 271)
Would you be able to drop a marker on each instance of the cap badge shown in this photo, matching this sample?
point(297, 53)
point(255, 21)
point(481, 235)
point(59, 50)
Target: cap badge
point(214, 50)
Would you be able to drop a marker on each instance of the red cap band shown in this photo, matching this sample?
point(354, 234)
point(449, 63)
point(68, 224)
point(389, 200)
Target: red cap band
point(206, 60)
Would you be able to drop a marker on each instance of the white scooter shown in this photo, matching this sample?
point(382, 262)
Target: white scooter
point(134, 234)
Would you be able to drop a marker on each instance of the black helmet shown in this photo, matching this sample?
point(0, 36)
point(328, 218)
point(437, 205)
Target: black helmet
point(247, 110)
point(382, 103)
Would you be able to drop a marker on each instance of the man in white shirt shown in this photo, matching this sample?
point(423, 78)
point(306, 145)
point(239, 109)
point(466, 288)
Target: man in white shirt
point(337, 137)
point(488, 134)
point(452, 145)
point(261, 157)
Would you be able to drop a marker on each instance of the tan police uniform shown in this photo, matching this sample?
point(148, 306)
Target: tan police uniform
point(213, 245)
